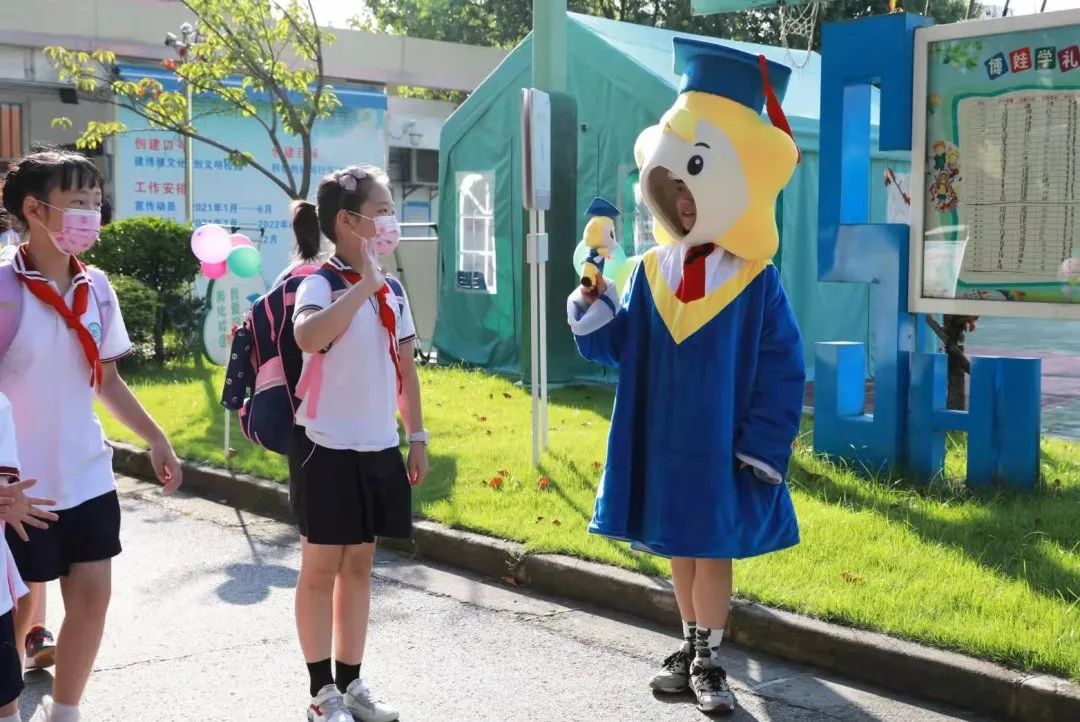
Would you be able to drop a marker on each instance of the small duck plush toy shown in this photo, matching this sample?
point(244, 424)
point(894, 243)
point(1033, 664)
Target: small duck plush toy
point(599, 238)
point(710, 359)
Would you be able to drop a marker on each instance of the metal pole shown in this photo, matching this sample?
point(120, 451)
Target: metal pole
point(541, 262)
point(534, 330)
point(189, 175)
point(1043, 8)
point(550, 75)
point(549, 45)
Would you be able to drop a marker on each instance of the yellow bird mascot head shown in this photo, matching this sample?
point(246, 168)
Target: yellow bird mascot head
point(714, 144)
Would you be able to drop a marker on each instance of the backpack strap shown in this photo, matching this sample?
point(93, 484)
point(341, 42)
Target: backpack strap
point(309, 385)
point(337, 283)
point(10, 305)
point(399, 292)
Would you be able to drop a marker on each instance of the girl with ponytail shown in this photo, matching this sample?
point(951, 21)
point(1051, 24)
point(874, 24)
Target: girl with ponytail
point(348, 482)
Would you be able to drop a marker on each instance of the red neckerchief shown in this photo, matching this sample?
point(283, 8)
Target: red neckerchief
point(47, 294)
point(386, 314)
point(692, 285)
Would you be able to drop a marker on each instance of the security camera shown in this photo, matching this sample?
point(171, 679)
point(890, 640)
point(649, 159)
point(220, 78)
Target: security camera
point(187, 28)
point(171, 39)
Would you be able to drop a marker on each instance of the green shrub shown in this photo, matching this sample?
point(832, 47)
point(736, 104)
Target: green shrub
point(155, 252)
point(139, 306)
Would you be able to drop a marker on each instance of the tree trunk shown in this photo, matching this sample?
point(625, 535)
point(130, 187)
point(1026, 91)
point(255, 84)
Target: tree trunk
point(159, 335)
point(955, 329)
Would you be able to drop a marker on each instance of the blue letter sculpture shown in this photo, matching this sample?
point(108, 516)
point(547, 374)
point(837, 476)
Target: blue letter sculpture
point(907, 428)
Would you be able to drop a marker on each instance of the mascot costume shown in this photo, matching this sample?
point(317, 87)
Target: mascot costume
point(711, 374)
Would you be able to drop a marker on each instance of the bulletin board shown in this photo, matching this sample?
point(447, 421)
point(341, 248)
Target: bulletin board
point(995, 178)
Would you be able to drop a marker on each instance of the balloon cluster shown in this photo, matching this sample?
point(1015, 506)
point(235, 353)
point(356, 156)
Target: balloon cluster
point(617, 269)
point(218, 252)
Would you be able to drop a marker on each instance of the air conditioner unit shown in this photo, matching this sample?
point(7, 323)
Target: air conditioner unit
point(425, 167)
point(399, 165)
point(413, 166)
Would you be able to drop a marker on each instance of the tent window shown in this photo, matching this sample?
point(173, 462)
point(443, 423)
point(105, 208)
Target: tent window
point(476, 232)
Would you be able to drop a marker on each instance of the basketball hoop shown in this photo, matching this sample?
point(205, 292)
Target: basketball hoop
point(797, 23)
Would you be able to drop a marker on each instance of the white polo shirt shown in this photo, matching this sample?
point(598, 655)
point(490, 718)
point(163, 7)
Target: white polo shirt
point(46, 377)
point(357, 407)
point(11, 584)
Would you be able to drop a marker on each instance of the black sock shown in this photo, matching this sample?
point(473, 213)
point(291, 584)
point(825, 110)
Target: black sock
point(320, 674)
point(346, 675)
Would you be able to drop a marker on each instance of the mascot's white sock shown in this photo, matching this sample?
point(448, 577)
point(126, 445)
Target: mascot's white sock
point(689, 635)
point(708, 644)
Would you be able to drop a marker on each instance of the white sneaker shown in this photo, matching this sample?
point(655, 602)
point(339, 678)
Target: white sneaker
point(366, 706)
point(709, 682)
point(674, 674)
point(328, 706)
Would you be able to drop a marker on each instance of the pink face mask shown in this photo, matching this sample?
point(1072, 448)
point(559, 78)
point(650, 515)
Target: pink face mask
point(387, 233)
point(79, 232)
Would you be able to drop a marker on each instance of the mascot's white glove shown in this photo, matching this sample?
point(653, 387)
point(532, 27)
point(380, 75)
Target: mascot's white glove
point(584, 318)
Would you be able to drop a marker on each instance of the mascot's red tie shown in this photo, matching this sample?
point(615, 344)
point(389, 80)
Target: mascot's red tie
point(692, 285)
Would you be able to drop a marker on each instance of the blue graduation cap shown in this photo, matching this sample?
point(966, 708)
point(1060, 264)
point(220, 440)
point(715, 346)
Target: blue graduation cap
point(600, 207)
point(719, 70)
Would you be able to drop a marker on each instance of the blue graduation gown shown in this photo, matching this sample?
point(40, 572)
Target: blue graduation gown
point(685, 413)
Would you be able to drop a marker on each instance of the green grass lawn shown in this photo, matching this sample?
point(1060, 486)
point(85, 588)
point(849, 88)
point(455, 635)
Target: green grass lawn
point(996, 576)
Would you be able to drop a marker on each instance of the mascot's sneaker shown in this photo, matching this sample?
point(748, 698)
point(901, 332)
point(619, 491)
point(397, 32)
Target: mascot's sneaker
point(328, 706)
point(674, 674)
point(709, 682)
point(366, 706)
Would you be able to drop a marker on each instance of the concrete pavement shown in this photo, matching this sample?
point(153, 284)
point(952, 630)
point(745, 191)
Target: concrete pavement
point(201, 628)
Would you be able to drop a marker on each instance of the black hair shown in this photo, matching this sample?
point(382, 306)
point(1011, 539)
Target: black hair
point(39, 174)
point(311, 222)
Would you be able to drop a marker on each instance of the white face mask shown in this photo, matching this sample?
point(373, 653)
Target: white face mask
point(387, 233)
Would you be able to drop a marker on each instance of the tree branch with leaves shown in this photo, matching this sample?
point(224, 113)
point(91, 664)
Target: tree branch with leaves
point(261, 60)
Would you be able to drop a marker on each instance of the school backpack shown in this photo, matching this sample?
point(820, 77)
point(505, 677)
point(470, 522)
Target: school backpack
point(263, 375)
point(11, 303)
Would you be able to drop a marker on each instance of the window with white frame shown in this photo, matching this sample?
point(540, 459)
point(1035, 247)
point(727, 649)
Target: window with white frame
point(476, 232)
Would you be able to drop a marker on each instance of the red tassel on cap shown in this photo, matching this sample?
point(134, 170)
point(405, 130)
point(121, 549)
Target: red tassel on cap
point(772, 105)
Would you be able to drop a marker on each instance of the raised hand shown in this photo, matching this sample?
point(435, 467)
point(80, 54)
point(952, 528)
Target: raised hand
point(20, 510)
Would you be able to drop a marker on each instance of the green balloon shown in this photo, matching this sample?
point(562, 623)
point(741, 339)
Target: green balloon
point(615, 263)
point(245, 261)
point(624, 272)
point(611, 265)
point(581, 252)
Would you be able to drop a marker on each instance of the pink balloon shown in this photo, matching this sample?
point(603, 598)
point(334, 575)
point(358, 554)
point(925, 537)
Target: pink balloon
point(214, 271)
point(239, 239)
point(211, 244)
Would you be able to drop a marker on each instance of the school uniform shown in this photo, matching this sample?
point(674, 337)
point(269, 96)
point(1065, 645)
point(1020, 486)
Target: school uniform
point(11, 584)
point(48, 380)
point(348, 483)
